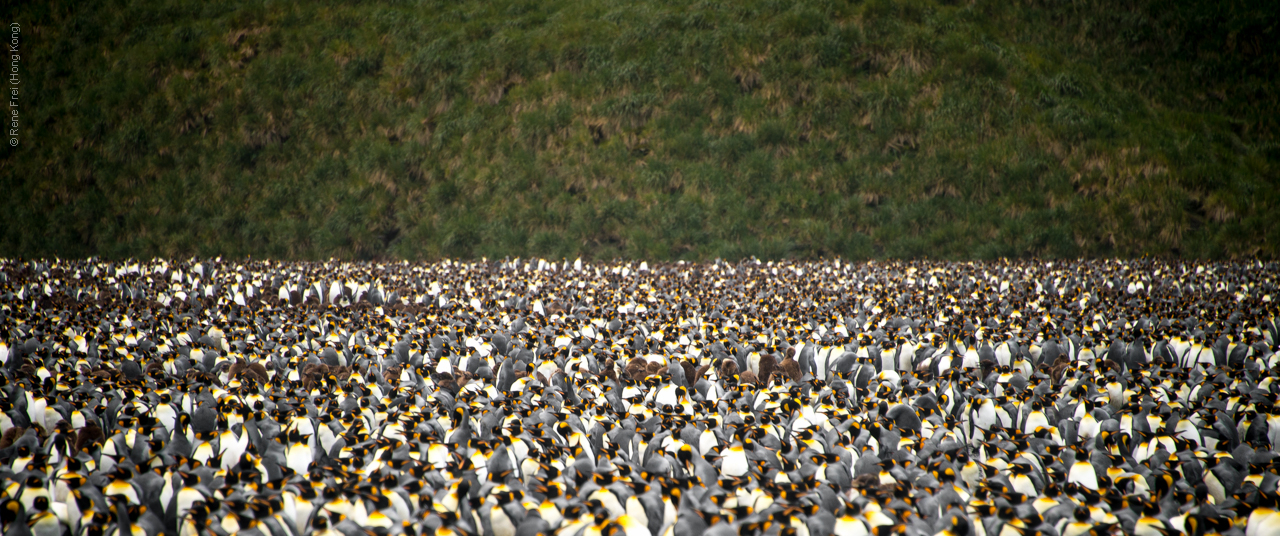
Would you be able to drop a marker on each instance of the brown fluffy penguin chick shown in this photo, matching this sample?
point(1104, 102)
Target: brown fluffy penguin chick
point(445, 382)
point(392, 375)
point(319, 369)
point(1059, 368)
point(153, 366)
point(697, 375)
point(871, 481)
point(748, 377)
point(690, 374)
point(462, 377)
point(637, 368)
point(10, 436)
point(728, 368)
point(610, 370)
point(768, 364)
point(790, 367)
point(88, 435)
point(309, 381)
point(237, 367)
point(652, 368)
point(257, 372)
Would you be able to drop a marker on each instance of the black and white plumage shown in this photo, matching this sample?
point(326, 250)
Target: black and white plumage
point(522, 397)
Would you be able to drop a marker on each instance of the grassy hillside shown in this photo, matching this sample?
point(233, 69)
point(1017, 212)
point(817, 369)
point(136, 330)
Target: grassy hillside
point(667, 129)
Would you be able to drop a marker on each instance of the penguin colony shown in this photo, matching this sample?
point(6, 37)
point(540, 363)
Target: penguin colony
point(527, 397)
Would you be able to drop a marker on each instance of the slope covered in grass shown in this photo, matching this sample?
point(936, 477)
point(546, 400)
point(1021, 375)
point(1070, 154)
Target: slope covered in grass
point(648, 128)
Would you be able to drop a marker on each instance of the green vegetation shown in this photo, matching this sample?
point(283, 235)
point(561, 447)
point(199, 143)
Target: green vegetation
point(659, 129)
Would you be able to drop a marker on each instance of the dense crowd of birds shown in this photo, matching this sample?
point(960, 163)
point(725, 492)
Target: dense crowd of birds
point(527, 397)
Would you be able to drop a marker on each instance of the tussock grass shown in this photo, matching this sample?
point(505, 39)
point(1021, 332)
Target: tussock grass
point(866, 128)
